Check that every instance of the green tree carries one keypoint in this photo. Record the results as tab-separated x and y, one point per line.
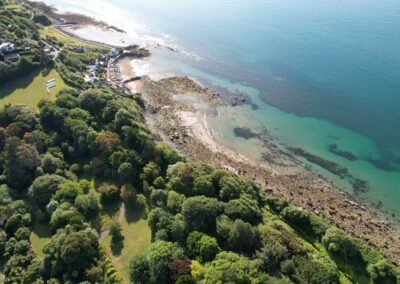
88	204
109	192
139	270
204	248
243	237
150	172
383	272
200	213
229	267
175	201
22	161
160	255
51	164
43	188
127	173
203	186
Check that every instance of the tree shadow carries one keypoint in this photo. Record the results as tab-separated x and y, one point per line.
46	71
40	225
134	213
117	246
19	83
111	207
96	223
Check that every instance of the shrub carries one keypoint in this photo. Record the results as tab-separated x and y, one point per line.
109	192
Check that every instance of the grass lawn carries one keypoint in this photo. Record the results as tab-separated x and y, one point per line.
30	89
40	235
48	31
137	239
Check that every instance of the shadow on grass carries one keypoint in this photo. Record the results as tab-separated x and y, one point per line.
19	83
40	225
96	223
134	213
111	207
117	246
46	71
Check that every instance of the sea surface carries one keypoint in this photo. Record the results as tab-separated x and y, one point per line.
323	76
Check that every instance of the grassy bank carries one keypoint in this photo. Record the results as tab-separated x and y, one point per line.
30	89
137	240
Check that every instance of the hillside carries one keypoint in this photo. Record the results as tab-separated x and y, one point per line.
89	194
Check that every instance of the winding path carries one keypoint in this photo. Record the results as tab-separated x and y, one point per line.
121	216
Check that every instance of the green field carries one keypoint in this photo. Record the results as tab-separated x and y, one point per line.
137	239
30	89
40	235
51	32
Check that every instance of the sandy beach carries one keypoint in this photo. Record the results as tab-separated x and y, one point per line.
127	73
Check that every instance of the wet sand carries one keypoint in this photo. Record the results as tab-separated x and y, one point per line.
127	73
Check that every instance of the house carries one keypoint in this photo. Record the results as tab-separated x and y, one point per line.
11	57
6	47
93	67
114	52
79	49
92	78
27	46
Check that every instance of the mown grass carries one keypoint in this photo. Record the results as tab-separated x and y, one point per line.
29	90
137	240
40	235
67	40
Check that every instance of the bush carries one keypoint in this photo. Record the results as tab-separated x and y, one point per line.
109	192
339	243
204	248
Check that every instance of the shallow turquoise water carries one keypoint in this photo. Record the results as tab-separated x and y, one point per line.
321	72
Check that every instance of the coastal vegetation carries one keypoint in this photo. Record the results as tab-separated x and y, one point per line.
89	194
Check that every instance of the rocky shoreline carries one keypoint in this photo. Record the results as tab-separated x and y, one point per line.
181	123
183	127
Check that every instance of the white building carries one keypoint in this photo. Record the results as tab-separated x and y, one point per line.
6	47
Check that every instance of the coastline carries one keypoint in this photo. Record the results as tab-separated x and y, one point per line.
183	125
186	129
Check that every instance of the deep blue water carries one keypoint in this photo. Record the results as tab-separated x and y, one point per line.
336	62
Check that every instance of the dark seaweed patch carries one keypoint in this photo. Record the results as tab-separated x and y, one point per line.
245	132
333	148
359	186
326	164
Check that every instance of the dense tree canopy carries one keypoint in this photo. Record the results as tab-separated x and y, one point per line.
77	163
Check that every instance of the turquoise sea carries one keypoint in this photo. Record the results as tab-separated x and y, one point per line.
323	75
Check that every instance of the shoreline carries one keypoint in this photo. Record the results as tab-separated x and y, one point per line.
186	130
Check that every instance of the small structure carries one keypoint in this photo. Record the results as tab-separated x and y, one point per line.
27	46
51	84
93	67
92	78
6	47
11	57
79	49
114	52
